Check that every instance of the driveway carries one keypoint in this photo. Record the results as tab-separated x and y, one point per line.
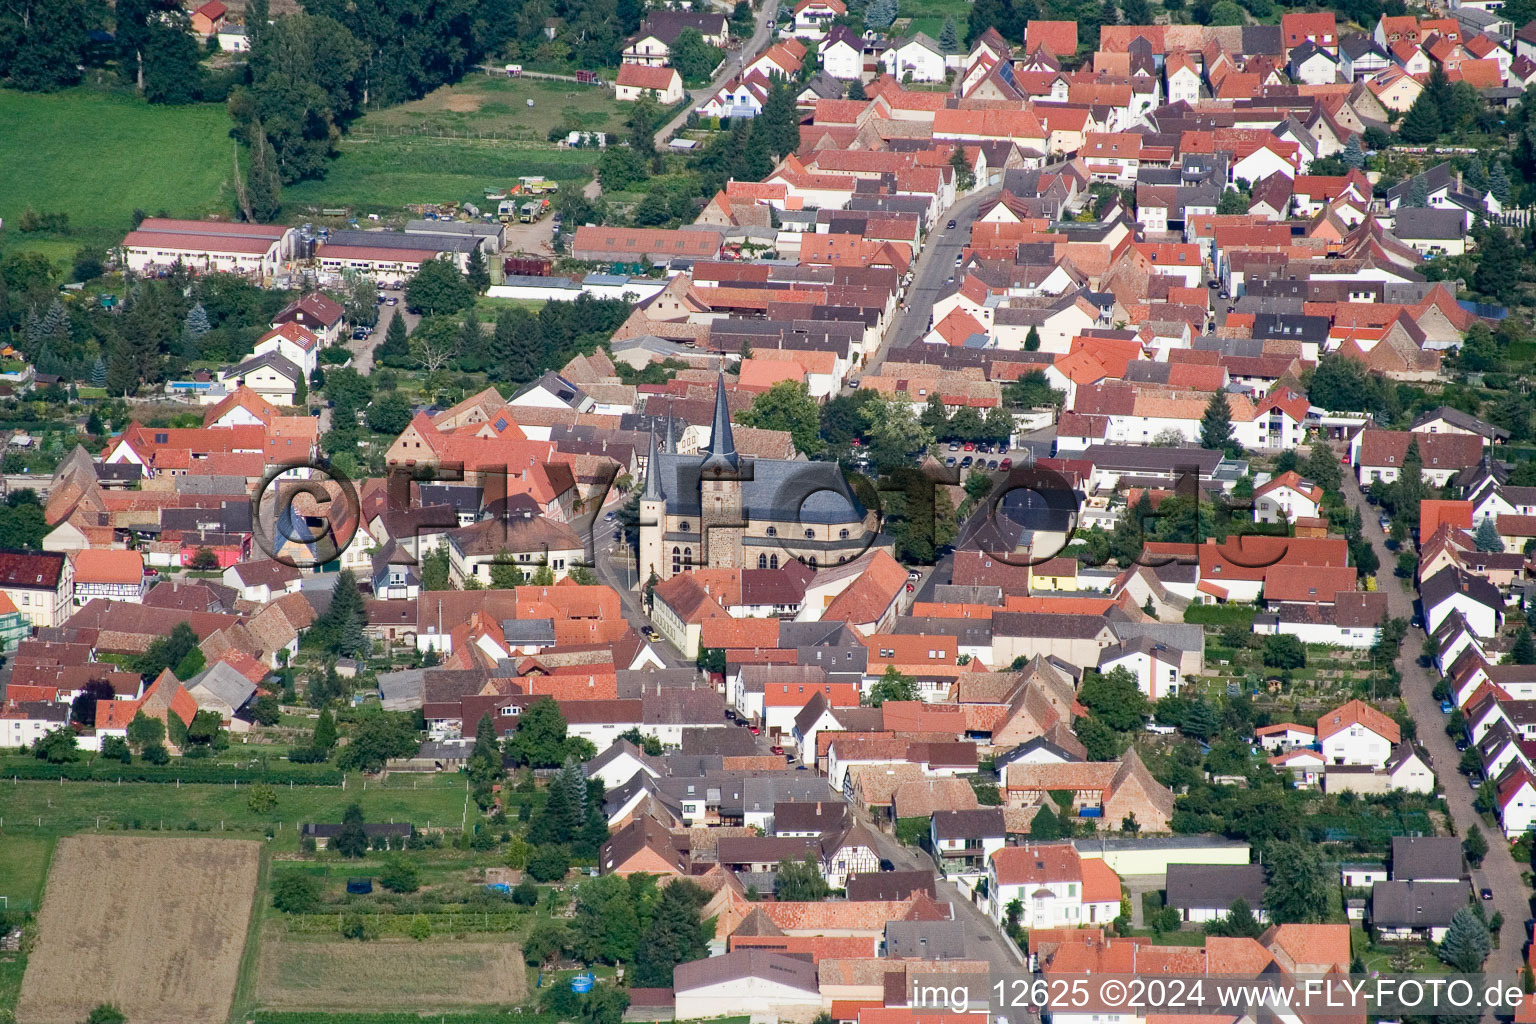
1499	872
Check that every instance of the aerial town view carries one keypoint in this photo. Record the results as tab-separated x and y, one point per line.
767	511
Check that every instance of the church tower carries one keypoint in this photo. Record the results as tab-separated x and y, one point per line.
721	520
653	517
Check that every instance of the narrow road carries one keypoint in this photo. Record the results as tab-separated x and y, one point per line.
1499	871
983	940
935	264
767	18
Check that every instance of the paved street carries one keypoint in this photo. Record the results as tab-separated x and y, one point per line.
1499	872
983	941
767	18
935	264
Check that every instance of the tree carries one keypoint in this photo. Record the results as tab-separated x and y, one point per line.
395	349
166	651
376	737
787	406
694	58
892	685
1216	424
965	175
439	289
1498	265
400	875
1466	944
1354	154
549	864
1475	846
1238	922
43	44
1284	651
57	746
780	120
879	14
342	628
1498	182
1422	123
82	710
1523	651
296	893
540	739
1032	340
949	35
144	731
1298	883
325	731
674	936
484	764
800	881
105	1013
435	574
389	414
1045	825
352	840
1115	699
476	272
894	432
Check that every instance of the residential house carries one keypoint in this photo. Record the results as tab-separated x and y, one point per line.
1357	734
1054	886
665	84
110	574
1205	892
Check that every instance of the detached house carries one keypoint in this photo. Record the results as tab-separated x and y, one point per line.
637	80
1455	590
1357	733
1056	887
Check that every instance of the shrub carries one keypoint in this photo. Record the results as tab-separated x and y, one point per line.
296	893
549	864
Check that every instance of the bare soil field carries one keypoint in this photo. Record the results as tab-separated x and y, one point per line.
155	926
327	975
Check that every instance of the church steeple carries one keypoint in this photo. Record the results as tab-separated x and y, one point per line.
721	453
653	473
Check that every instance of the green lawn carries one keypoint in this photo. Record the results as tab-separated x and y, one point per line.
381	175
928	15
99	155
1220	614
485	103
24	869
86	806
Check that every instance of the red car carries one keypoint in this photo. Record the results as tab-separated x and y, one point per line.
151	571
755	730
1005	464
776	750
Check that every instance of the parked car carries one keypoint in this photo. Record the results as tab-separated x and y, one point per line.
954	446
776	750
755	730
913	574
951	223
1487	893
652	635
1446	707
853	385
969	446
392	301
991	463
1005	464
949	461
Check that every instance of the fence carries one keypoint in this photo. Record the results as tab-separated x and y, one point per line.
1518	217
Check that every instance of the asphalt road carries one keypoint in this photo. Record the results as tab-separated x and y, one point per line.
1499	871
767	18
935	265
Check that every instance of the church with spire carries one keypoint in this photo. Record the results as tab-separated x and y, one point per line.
721	510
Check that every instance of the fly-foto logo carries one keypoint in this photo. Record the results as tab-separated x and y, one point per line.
306	515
